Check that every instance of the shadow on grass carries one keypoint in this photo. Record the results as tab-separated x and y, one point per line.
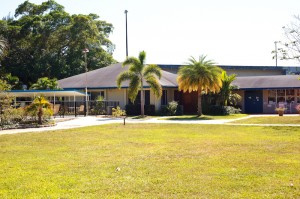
190	118
139	117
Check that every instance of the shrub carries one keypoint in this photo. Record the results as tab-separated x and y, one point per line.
99	108
118	112
172	109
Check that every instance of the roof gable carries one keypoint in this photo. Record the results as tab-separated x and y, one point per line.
106	78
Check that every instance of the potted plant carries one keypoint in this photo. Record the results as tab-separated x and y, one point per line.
280	110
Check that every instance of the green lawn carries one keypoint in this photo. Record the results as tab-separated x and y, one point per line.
155	161
270	120
205	117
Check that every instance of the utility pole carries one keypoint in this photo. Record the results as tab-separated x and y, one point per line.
276	52
85	51
126	11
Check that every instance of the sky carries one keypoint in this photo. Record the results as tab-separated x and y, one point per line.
231	32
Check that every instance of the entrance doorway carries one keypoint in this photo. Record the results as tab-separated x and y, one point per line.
189	101
254	102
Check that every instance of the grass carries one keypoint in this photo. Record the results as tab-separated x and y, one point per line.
270	120
155	161
205	117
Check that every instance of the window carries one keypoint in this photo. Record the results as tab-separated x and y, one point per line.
280	95
138	98
272	97
95	95
178	97
164	97
290	96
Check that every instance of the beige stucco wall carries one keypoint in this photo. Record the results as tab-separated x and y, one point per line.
121	95
171	94
155	101
117	95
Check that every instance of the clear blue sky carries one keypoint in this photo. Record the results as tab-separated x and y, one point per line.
231	32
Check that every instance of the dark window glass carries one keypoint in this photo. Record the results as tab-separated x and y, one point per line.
138	98
164	97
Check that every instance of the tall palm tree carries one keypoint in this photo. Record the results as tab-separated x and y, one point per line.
3	46
199	75
225	93
137	74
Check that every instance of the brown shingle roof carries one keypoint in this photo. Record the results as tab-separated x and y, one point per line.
106	78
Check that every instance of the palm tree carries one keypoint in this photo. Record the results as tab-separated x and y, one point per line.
226	95
201	76
3	46
39	104
137	74
44	83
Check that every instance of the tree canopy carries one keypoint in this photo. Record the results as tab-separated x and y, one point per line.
45	83
199	75
289	49
3	46
46	41
226	94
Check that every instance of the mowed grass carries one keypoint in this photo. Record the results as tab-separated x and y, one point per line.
204	117
154	161
270	120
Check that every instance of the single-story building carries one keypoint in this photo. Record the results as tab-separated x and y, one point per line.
102	82
262	94
263	88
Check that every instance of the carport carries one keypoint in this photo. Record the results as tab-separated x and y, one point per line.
71	95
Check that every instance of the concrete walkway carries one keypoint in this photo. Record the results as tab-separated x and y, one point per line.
93	121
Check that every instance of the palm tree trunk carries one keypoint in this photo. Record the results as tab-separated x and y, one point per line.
199	99
199	102
142	99
40	114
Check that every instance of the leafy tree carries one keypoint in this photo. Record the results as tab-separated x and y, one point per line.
39	105
3	46
226	92
46	41
290	48
45	83
4	86
12	81
199	75
137	73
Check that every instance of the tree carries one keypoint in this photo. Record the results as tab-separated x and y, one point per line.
46	41
12	81
199	75
3	46
137	74
4	86
45	83
290	48
39	105
226	94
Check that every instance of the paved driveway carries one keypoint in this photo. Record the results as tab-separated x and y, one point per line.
93	121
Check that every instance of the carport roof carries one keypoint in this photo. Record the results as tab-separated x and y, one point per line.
104	78
46	93
267	82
